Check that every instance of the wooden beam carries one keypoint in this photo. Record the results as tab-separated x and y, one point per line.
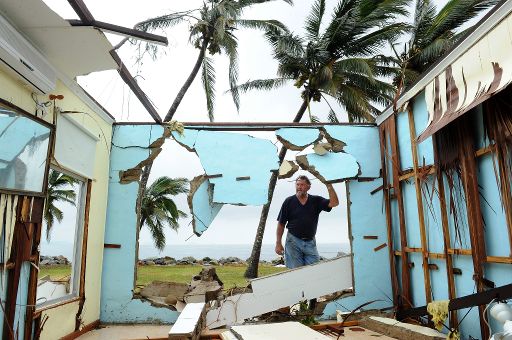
380	247
134	86
498	259
85	329
395	164
387	205
456	251
130	32
419	203
446	235
370	237
111	245
81	10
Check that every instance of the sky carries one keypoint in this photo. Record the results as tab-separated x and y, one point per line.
162	78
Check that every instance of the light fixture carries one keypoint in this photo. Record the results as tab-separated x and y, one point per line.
502	312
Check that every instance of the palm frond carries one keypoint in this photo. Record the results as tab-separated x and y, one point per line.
314	19
208	80
229	45
273	26
262	84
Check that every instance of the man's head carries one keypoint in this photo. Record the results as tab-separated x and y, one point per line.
302	185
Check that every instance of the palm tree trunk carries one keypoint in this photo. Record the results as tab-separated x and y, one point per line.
188	82
142	190
254	260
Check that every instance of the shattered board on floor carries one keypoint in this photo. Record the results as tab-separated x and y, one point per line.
274	331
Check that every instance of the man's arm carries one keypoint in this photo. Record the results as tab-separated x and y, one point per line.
333	198
279	236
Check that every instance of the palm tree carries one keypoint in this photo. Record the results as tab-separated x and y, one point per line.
212	30
432	34
60	189
159	210
338	62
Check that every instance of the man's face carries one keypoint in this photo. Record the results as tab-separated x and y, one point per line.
301	188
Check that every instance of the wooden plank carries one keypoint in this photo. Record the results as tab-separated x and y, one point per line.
189	323
370	237
243	178
455	251
469	178
499	259
284	330
83	259
446	235
419	203
387	205
87	328
112	245
395	162
376	190
380	247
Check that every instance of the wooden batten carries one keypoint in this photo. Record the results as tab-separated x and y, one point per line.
421	213
387	204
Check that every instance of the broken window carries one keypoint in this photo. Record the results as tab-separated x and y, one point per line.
61	238
24	146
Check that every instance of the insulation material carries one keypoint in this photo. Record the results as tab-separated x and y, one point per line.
203	209
360	142
8	204
439	312
485	69
298	138
241	164
331	167
287	169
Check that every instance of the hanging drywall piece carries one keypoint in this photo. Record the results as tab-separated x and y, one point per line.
298	138
201	205
322	148
229	157
362	142
331	167
287	169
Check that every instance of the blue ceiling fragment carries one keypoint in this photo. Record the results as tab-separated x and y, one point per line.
298	138
333	167
201	205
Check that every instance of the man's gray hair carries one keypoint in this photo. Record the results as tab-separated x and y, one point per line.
303	178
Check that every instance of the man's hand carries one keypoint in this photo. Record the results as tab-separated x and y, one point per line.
279	249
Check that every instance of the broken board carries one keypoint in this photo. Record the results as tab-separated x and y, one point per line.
283	289
283	331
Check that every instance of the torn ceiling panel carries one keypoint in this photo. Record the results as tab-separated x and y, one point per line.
298	138
362	142
242	164
331	167
201	205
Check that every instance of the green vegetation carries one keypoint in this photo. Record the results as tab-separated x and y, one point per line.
55	272
231	275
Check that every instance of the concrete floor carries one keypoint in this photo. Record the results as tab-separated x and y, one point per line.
140	332
127	332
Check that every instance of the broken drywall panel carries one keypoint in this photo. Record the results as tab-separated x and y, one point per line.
362	142
187	139
287	169
237	155
125	136
272	292
291	330
298	138
331	167
201	205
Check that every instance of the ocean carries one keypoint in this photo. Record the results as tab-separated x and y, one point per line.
198	251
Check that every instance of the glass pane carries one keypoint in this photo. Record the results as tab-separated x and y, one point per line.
23	151
61	239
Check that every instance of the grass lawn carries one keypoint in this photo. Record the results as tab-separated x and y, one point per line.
55	272
231	275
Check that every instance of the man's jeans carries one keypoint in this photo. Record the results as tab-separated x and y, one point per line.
298	252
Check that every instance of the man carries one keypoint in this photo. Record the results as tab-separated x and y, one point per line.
299	213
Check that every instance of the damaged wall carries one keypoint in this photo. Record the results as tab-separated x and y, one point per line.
62	318
235	164
424	221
